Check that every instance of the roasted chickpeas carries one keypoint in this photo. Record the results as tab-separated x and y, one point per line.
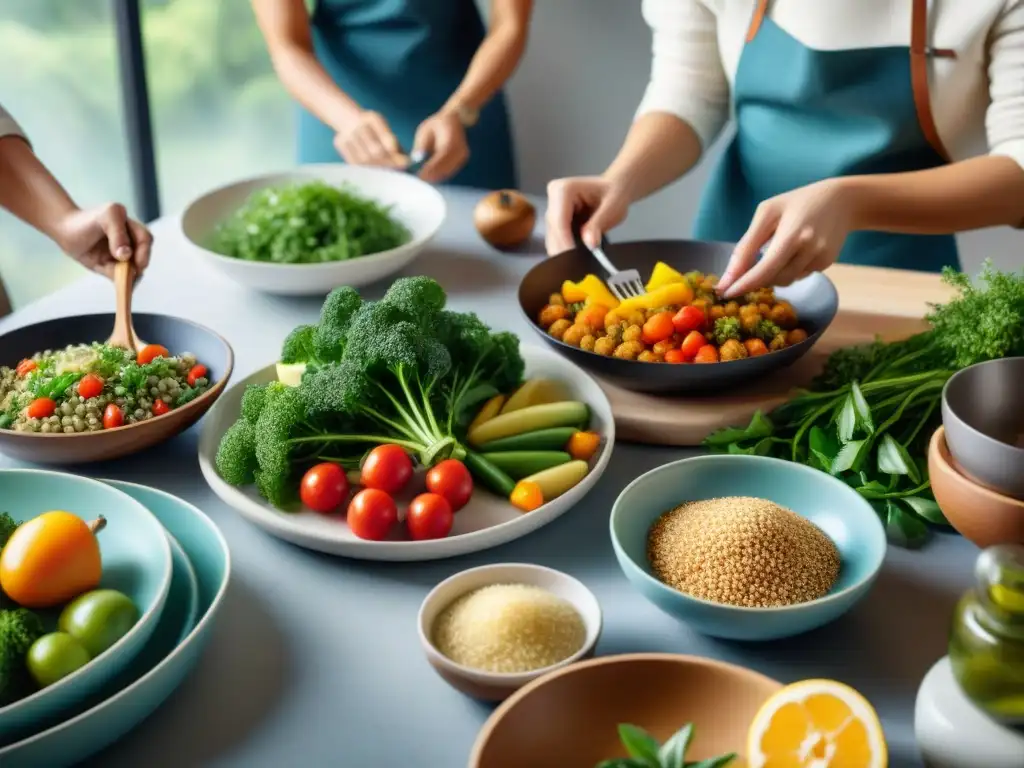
558	328
633	333
605	345
588	342
732	349
552	313
575	334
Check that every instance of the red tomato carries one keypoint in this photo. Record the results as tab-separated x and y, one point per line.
25	367
90	385
675	356
430	517
197	371
371	514
151	352
324	487
40	408
692	343
451	480
689	318
657	328
388	468
160	408
112	417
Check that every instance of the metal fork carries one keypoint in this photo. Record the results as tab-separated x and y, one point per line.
623	284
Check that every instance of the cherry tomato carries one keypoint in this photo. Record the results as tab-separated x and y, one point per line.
160	408
689	318
324	487
25	367
112	417
675	356
198	371
707	354
40	408
692	343
658	328
371	514
430	517
451	480
90	385
388	468
151	352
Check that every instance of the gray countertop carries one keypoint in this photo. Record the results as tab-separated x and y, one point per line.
315	660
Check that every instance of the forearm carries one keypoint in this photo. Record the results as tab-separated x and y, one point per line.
493	64
309	84
29	190
972	194
658	150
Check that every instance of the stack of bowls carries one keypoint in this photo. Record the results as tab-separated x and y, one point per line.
976	459
173	563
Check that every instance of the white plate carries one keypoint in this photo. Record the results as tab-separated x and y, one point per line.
485	522
418	205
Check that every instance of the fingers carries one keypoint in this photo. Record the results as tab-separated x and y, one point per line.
601	220
113	220
603	205
777	256
762	227
143	240
558	219
445	144
371	142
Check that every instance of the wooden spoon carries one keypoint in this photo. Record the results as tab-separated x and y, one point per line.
124	332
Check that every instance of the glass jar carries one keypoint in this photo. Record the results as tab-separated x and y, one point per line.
986	643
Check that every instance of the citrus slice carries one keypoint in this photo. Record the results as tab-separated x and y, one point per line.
816	724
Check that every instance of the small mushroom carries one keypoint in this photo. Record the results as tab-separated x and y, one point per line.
505	218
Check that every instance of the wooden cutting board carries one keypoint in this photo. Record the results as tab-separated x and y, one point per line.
890	303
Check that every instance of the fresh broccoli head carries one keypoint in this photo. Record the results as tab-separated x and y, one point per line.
236	454
7	526
255	398
766	330
336	315
420	298
19	628
726	328
298	345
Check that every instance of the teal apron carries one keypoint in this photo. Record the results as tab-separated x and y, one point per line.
803	115
404	59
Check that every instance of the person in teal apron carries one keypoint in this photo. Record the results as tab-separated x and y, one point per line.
383	81
818	132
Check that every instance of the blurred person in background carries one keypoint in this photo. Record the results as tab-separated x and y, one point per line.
858	130
96	238
381	81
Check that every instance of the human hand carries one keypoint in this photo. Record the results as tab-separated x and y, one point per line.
603	201
368	140
100	237
807	229
442	139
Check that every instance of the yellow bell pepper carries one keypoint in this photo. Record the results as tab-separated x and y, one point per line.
663	275
590	289
671	295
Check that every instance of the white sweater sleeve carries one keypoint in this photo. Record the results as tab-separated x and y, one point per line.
687	76
1004	121
8	125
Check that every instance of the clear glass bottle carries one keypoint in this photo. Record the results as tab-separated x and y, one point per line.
986	643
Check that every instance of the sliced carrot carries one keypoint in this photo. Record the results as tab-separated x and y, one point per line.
526	496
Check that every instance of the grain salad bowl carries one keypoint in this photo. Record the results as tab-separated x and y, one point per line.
414	203
177	334
492	686
839	511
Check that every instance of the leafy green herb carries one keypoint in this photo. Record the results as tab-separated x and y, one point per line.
645	751
41	386
308	223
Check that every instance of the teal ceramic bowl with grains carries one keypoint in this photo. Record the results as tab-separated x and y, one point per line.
837	510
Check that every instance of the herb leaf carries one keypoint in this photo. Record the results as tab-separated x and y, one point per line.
851	456
673	752
926	509
860	405
639	744
902	528
893	459
713	762
824	447
847	421
760	426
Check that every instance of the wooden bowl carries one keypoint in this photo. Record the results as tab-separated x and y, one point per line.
177	334
977	513
570	718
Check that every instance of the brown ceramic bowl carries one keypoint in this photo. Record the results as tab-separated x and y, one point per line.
176	334
570	718
493	686
977	513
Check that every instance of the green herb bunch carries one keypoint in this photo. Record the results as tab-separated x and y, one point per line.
868	417
645	751
308	223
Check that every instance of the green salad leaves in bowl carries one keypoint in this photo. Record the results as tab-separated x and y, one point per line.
307	231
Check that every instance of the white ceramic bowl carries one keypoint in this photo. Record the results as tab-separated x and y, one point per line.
485	522
418	205
493	686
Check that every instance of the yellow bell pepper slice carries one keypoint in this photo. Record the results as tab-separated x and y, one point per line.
591	289
572	293
663	275
671	295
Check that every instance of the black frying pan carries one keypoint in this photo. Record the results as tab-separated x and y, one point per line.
814	298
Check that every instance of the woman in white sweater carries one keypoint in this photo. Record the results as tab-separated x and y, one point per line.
861	131
96	238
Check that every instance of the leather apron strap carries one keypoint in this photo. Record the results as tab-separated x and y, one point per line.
755	20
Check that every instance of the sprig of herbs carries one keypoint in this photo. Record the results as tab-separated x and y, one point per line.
646	752
868	417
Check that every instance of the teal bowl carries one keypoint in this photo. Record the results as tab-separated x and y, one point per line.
136	559
847	518
172	653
